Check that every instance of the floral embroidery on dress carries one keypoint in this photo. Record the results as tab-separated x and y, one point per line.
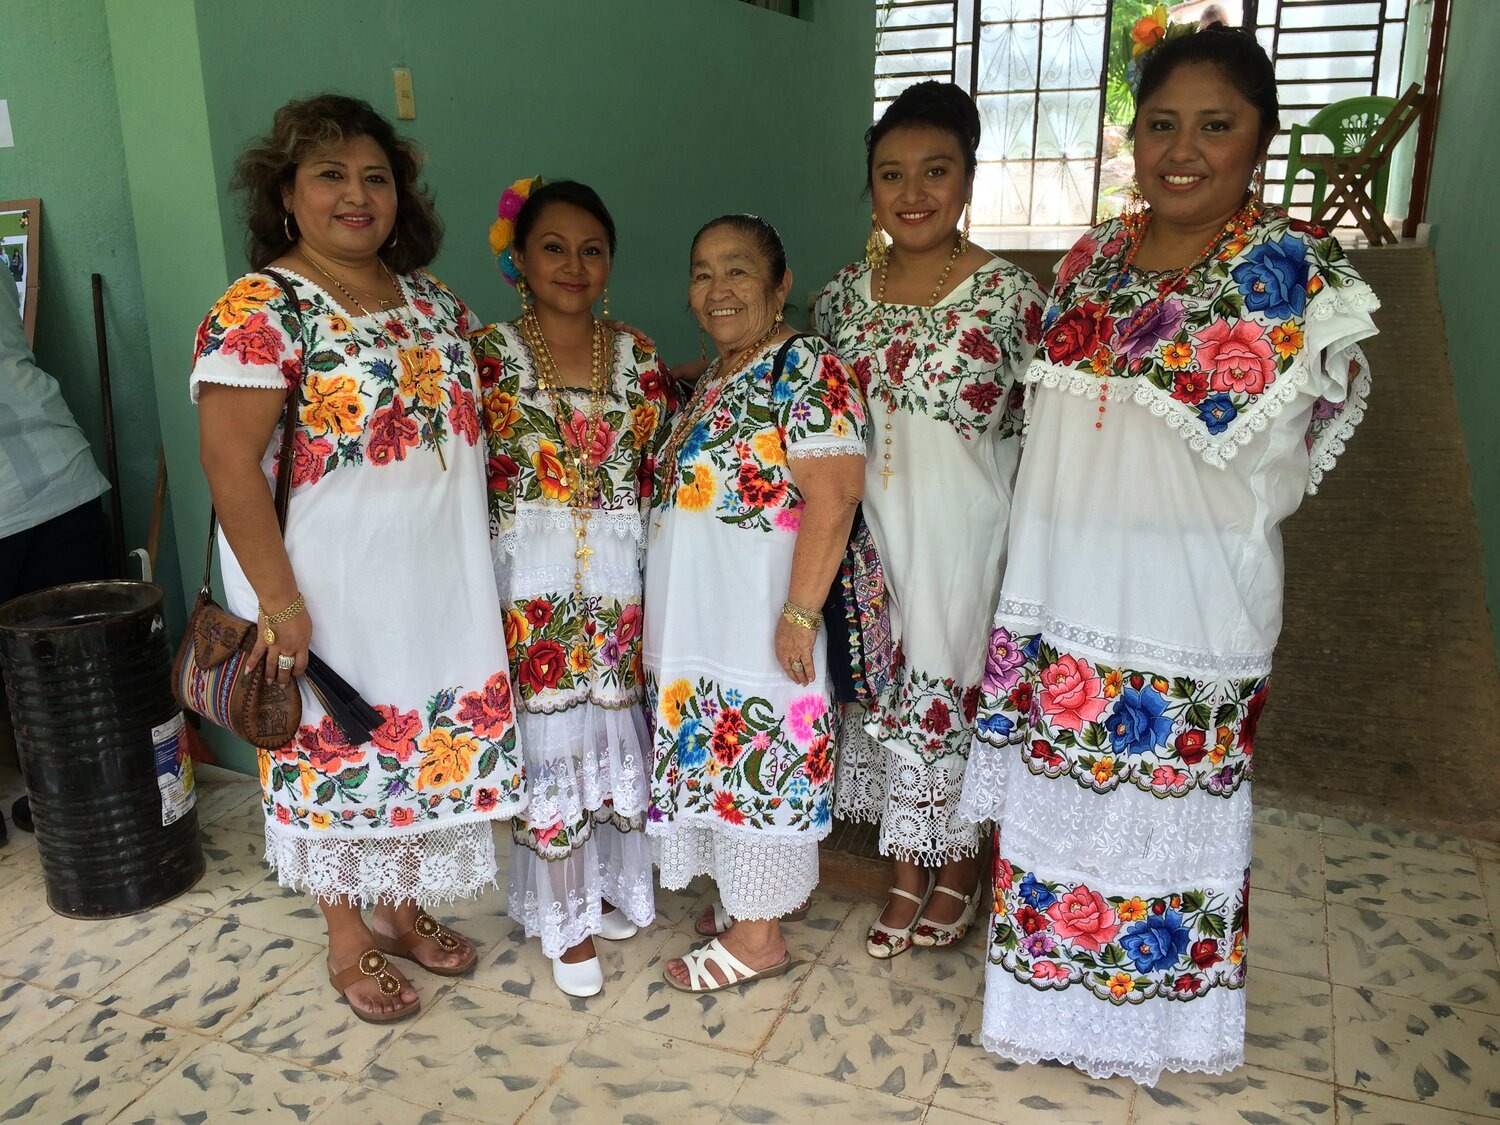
455	759
1178	946
900	349
1107	726
734	757
1219	355
383	414
571	646
934	715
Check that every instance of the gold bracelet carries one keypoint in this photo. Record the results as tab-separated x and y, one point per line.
267	633
799	616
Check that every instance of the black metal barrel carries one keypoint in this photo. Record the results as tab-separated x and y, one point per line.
99	736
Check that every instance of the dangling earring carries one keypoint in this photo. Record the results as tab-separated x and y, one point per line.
779	317
604	312
963	234
391	245
1135	202
286	225
876	248
702	346
1258	182
524	294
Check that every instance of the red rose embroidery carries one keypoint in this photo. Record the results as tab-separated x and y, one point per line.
976	342
1077	334
543	668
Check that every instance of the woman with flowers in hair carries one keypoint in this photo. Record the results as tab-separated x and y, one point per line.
387	462
1199	372
573	412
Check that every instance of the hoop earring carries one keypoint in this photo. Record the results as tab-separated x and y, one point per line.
604	312
876	248
524	294
963	234
286	225
391	245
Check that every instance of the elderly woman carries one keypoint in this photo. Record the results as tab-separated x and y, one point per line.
759	482
938	331
388	465
573	415
1199	372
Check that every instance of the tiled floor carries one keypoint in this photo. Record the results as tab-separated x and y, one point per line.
1375	998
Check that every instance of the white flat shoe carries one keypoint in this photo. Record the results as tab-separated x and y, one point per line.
583	978
614	926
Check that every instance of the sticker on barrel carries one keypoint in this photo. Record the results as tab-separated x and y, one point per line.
174	770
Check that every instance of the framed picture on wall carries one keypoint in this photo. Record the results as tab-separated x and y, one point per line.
20	254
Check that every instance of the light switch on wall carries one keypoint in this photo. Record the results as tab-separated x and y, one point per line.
406	102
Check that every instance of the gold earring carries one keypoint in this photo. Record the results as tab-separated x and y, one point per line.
702	346
525	295
963	234
779	317
286	225
1135	202
876	248
604	313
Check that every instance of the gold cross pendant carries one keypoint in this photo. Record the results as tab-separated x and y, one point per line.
885	478
583	553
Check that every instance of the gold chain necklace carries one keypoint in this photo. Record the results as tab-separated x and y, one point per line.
886	472
704	396
585	465
342	288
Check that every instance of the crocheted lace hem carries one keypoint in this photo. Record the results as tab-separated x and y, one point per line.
528	521
430	868
757	878
1331	444
809	449
1102	1069
560	901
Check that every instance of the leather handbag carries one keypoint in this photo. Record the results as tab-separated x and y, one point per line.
212	673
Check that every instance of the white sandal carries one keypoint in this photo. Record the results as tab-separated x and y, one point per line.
713	953
722	920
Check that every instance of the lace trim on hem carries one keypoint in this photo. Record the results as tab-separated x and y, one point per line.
583	698
842	449
625	523
1112	647
1102	1069
1329	447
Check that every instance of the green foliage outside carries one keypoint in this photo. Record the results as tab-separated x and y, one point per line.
1119	104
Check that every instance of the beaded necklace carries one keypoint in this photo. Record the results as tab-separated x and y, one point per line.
585	463
1136	224
886	472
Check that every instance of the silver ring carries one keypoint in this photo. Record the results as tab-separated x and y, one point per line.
286	662
797	664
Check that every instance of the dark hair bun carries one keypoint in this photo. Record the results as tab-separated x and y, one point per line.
941	105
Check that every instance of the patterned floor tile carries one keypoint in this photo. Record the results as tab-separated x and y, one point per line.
375	1107
307	1023
209	976
479	1053
622	1075
774	1095
270	906
674	907
734	1019
1289	1024
1403	1048
956	969
1285	818
518	967
1422	884
1289	934
247	816
80	958
1358	1108
1489	876
1248	1094
991	1088
1419	957
1286	860
234	862
1485	849
26	905
1396	837
220	791
26	1010
93	1063
218	1083
880	1035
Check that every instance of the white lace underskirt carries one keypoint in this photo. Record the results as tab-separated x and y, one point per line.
759	877
582	759
559	900
914	802
429	868
1136	1041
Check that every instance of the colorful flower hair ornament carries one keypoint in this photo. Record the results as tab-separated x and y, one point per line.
503	229
1148	31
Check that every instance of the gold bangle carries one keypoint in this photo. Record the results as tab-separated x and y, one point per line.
802	617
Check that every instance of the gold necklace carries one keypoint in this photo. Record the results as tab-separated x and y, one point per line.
585	466
704	396
342	288
886	472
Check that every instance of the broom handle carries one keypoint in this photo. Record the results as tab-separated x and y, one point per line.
112	466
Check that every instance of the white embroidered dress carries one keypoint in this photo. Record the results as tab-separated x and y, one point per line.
386	535
1132	644
944	401
575	660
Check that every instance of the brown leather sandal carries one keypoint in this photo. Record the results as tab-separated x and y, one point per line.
372	963
428	928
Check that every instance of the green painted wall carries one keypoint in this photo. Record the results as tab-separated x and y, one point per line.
1465	169
57	75
675	110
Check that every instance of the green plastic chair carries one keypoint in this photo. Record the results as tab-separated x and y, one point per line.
1347	125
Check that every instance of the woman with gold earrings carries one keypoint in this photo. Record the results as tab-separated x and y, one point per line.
938	330
573	412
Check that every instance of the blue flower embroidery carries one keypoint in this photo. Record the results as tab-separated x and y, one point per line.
1273	278
996	726
1139	721
1156	942
692	751
1216	412
1035	893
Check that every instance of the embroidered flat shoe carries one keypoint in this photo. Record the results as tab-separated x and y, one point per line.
884	942
932	934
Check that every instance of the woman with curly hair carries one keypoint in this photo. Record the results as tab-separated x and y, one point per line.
384	546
